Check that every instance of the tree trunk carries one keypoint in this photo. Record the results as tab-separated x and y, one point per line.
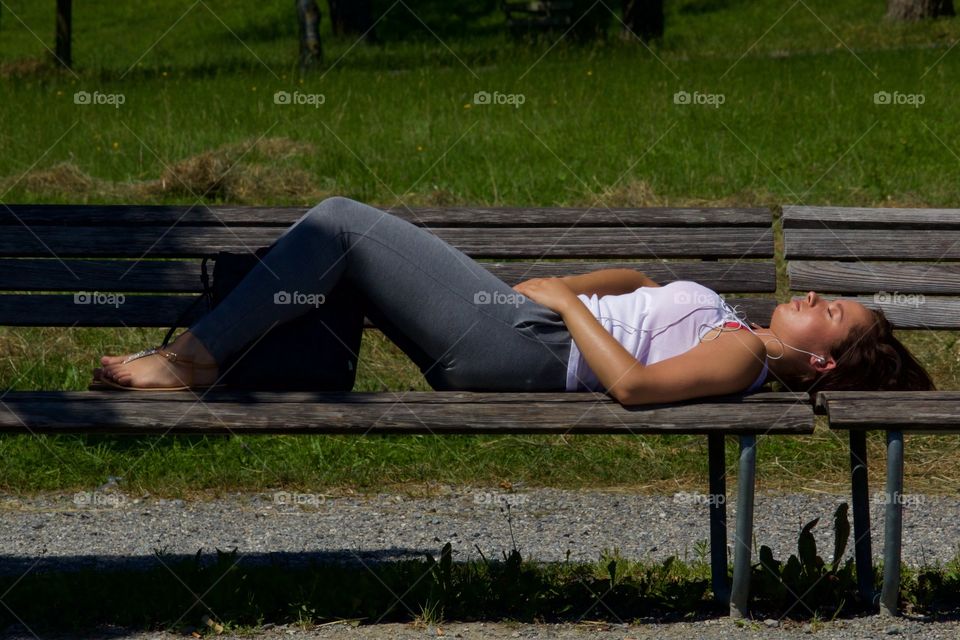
64	28
353	17
311	50
918	9
645	18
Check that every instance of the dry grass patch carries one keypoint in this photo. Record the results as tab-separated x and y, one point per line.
249	172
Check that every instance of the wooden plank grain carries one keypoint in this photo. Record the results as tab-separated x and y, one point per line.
149	310
39	417
892	397
913	411
872	244
815	217
226	215
920	416
541	242
410	397
183	276
869	277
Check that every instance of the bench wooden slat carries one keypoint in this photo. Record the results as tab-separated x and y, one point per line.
872	244
413	397
183	276
166	215
929	312
51	310
330	417
908	311
541	242
917	412
860	277
807	217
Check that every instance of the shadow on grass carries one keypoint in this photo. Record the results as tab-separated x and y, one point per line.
176	591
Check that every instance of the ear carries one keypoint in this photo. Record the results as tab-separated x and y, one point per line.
822	368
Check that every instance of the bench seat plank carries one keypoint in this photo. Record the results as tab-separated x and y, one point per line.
367	397
95	414
912	411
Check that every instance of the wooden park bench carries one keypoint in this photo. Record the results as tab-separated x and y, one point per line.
47	253
904	262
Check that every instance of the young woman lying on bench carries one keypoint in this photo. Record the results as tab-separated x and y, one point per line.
612	330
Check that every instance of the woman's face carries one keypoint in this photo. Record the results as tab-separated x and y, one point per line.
815	324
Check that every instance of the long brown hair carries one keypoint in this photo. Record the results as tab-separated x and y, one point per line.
870	358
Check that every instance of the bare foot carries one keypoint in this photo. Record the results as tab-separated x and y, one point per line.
156	371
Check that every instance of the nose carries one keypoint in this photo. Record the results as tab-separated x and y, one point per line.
811	297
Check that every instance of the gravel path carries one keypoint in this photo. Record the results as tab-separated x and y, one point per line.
107	528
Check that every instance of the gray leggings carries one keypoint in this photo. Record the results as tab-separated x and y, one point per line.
463	327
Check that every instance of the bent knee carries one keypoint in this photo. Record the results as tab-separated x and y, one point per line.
339	210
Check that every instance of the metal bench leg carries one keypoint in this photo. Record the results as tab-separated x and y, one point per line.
718	518
863	551
743	544
892	524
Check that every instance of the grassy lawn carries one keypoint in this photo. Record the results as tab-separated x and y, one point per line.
398	125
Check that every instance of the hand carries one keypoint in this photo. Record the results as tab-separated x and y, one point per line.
552	293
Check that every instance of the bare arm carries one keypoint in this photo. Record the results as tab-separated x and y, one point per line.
613	365
712	368
608	282
716	367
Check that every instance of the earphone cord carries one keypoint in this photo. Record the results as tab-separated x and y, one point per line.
736	314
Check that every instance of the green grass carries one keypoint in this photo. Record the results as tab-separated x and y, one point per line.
798	125
394	119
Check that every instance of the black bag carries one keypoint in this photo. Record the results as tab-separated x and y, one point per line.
316	351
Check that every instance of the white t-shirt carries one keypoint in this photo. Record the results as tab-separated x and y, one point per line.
653	324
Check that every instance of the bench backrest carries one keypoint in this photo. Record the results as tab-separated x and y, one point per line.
903	261
151	254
